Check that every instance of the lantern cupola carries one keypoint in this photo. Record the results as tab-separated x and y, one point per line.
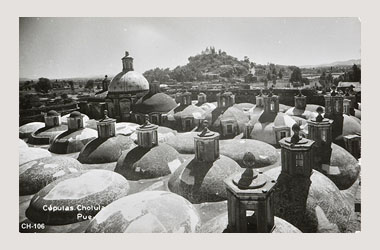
75	121
260	99
250	200
147	135
296	154
52	119
106	126
271	102
127	62
225	99
300	100
206	144
202	98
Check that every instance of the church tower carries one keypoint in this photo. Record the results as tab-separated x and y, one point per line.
127	62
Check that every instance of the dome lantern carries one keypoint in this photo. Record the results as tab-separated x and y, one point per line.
260	99
250	193
300	100
147	136
185	98
297	155
202	98
206	145
225	99
320	131
334	111
127	62
52	119
106	126
271	103
353	145
75	121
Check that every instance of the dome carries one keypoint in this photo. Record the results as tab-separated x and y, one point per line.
85	118
215	116
22	144
147	212
183	142
147	163
297	200
208	106
72	141
348	167
127	82
350	126
158	102
188	111
75	114
264	153
265	131
107	150
30	154
76	197
219	224
52	113
27	129
303	113
200	182
34	175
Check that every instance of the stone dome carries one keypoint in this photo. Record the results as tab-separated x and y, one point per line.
219	225
147	212
128	82
157	102
200	182
27	129
76	197
350	126
297	199
265	131
22	144
52	113
147	163
30	154
188	111
107	150
215	116
72	141
85	118
349	168
303	113
264	153
183	142
208	106
36	174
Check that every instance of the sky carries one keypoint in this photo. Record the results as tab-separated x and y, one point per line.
84	47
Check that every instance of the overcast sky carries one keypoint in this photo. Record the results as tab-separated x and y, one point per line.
76	47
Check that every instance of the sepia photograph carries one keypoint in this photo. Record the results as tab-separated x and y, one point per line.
189	124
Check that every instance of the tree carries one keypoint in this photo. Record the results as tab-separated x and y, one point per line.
43	85
296	75
356	73
280	74
89	84
71	83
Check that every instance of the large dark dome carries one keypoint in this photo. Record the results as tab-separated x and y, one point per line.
158	102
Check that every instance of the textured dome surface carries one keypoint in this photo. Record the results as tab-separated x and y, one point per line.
264	153
202	182
141	163
30	154
349	168
215	116
34	175
27	129
76	197
158	102
296	201
189	111
131	81
219	224
183	142
22	144
72	141
303	113
45	135
147	212
107	150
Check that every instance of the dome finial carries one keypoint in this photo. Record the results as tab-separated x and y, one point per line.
205	131
319	117
270	91
333	93
299	93
146	121
126	53
296	136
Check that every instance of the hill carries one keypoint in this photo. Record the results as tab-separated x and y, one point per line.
208	65
333	64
